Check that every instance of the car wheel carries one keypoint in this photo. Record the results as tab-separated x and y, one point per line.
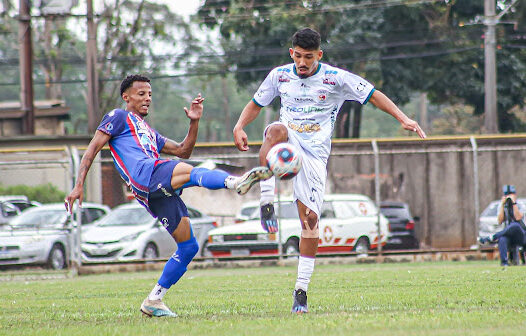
292	246
362	245
57	258
150	252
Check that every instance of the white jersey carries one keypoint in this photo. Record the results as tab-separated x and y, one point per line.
309	106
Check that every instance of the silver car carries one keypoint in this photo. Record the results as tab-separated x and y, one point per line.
488	218
42	235
129	232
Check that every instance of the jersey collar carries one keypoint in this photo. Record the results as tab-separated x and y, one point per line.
315	72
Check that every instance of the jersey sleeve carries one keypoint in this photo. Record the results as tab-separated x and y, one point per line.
268	90
113	122
161	141
356	88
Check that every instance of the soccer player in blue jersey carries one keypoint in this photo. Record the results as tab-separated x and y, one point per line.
311	95
157	183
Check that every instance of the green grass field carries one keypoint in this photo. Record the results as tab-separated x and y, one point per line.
443	298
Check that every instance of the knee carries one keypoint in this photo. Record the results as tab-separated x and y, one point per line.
276	133
310	226
187	250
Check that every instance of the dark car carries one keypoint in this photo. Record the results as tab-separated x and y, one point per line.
401	225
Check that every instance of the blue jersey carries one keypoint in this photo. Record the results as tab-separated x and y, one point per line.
135	148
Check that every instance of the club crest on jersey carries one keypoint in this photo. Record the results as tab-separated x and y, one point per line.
322	97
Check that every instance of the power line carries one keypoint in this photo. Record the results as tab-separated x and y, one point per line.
262	69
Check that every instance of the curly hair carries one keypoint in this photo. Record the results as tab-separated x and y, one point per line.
307	39
128	81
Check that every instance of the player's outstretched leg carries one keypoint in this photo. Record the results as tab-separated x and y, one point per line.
246	181
299	306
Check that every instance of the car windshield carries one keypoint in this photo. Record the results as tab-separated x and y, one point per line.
491	210
395	212
287	210
40	217
126	216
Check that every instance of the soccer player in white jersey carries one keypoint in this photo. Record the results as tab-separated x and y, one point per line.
311	95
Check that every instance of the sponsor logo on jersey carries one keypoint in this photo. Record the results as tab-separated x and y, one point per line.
306	109
164	220
283	79
108	126
305	128
303	100
329	77
322	97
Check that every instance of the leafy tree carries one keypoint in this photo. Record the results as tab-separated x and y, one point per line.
433	47
45	193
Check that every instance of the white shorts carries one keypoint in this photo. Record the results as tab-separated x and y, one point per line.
309	184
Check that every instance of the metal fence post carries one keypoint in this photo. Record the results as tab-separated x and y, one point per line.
377	191
280	245
76	230
475	178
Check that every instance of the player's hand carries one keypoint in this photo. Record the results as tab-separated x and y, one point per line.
411	125
196	109
76	194
240	139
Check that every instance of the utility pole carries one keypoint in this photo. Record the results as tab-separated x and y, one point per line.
490	68
92	75
26	67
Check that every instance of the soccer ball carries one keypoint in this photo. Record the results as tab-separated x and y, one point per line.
284	161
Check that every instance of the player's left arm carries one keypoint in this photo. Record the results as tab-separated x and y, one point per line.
385	104
184	148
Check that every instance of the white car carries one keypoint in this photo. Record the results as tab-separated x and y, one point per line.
42	235
129	232
348	223
488	218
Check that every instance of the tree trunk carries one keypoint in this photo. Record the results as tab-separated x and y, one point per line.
356	119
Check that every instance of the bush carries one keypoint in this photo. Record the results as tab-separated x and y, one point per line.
44	193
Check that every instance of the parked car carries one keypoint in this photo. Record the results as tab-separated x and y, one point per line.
248	211
401	225
488	218
41	235
129	232
348	222
22	202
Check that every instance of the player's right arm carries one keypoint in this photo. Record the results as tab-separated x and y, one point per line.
248	115
100	139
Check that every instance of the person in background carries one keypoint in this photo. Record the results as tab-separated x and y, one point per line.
510	212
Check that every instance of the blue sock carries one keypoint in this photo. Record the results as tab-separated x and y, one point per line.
210	179
176	266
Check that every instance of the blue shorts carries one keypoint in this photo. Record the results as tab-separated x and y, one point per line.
164	202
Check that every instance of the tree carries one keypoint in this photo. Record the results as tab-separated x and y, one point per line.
433	47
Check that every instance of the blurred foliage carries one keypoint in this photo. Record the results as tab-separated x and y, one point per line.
435	47
45	193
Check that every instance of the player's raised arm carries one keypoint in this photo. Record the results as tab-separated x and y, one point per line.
385	104
184	148
249	114
100	139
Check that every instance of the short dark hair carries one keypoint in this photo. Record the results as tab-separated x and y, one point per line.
307	39
128	81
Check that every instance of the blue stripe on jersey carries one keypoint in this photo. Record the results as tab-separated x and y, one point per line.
369	96
258	104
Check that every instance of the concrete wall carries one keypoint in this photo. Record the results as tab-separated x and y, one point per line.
434	176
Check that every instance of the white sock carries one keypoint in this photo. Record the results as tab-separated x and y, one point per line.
157	292
267	190
305	269
230	182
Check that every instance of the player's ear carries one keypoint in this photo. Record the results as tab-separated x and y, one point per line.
291	52
320	54
125	96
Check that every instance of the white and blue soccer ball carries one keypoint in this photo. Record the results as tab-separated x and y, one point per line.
284	160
